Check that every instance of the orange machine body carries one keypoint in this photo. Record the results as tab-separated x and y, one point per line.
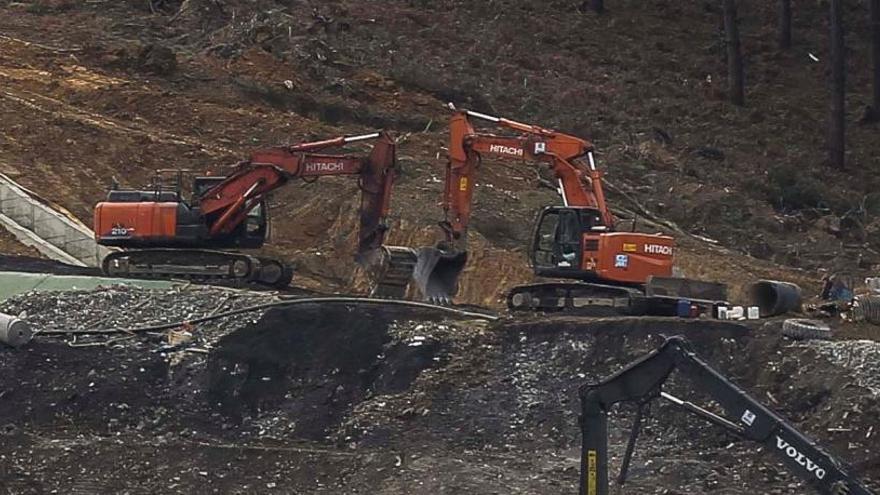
140	222
628	257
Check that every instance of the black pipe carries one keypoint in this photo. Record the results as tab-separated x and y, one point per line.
773	297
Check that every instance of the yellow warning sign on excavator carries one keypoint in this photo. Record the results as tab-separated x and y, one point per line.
462	184
591	473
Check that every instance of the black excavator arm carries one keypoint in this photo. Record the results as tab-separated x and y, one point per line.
642	381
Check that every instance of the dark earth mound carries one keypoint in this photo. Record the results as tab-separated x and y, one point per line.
336	398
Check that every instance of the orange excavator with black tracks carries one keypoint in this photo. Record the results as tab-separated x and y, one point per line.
165	236
615	272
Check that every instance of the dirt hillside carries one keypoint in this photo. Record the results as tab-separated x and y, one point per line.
96	91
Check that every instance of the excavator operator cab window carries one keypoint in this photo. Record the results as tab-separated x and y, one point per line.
256	223
545	239
557	242
591	220
203	184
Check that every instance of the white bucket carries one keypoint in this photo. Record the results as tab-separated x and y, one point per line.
13	331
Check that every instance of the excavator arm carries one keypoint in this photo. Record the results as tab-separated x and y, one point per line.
227	204
642	381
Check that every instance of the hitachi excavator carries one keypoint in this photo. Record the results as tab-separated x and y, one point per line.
164	236
616	272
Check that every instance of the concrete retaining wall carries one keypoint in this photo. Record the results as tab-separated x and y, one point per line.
53	231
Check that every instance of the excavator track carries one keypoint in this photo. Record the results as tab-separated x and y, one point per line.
393	276
579	298
197	265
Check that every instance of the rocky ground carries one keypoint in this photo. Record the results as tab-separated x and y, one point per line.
338	398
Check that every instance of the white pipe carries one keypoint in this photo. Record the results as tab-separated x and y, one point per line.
483	116
592	160
562	193
362	137
247	194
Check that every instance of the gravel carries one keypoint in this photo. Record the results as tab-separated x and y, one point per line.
861	357
126	307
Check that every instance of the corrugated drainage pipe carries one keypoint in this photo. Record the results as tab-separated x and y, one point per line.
773	297
869	307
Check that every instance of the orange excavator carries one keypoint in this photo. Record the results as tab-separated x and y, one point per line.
615	272
164	236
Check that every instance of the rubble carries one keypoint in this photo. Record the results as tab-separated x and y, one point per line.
390	396
128	307
861	358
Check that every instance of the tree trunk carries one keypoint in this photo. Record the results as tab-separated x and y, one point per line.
875	48
598	6
837	126
735	77
784	24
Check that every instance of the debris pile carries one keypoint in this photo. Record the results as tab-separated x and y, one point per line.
399	399
860	357
119	308
299	371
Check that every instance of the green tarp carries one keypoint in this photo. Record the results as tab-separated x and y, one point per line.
14	283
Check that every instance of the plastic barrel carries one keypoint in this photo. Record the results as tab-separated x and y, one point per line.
773	297
13	331
683	308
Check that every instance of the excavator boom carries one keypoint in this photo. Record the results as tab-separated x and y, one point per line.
269	169
579	186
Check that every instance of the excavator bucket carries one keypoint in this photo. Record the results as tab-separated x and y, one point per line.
390	269
436	273
686	288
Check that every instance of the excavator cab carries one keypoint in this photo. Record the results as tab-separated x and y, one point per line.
557	239
253	231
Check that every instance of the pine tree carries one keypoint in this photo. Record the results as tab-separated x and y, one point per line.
735	76
837	125
785	24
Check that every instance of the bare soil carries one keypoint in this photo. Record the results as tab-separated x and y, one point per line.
9	245
94	92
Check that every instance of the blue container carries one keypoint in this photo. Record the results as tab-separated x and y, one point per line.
683	308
